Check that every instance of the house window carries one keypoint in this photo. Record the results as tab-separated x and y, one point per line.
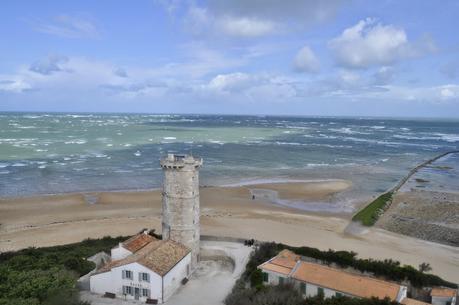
281	280
303	288
127	274
127	290
320	291
338	294
144	277
265	277
146	293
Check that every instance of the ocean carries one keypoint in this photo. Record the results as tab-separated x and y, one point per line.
47	153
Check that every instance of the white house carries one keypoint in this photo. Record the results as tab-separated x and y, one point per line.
443	296
143	268
313	279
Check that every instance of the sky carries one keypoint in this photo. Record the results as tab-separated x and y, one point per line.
289	57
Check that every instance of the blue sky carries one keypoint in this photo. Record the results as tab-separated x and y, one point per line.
300	57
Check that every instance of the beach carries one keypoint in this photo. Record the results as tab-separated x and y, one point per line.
48	220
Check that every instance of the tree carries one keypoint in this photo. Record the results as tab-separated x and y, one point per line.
425	267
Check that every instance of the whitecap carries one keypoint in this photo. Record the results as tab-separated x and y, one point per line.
4	172
169	138
77	141
137	154
3	165
448	137
19	164
42	166
317	164
216	142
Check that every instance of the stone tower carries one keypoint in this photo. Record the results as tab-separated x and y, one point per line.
181	202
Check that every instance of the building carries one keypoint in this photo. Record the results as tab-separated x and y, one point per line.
180	218
313	279
443	296
143	268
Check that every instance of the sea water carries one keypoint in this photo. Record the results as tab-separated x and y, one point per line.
43	153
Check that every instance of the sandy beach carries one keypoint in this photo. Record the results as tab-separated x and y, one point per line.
225	211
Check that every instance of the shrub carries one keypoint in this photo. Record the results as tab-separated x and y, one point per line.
47	276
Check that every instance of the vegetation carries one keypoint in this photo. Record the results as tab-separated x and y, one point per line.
288	295
425	267
48	276
370	214
388	269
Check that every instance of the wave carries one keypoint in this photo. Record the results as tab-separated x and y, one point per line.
77	141
448	137
348	130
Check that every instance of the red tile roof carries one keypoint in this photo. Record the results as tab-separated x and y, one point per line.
443	292
349	283
137	242
160	256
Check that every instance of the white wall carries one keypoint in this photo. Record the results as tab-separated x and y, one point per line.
273	277
401	293
101	283
120	253
155	284
112	281
173	279
443	300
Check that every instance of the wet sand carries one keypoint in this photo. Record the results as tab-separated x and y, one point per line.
226	211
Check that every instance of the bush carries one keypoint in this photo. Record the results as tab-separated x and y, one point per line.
271	295
288	295
47	276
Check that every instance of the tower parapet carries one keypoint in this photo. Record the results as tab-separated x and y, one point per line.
180	206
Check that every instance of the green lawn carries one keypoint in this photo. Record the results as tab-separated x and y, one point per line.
369	214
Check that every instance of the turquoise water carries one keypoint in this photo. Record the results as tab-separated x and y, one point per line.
56	153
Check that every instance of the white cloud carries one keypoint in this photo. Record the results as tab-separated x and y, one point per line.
245	27
68	27
298	11
306	61
255	18
49	65
383	75
12	83
369	43
231	82
448	92
241	87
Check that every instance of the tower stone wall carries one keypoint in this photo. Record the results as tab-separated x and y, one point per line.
180	205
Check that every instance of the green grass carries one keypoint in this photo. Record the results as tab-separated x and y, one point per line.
369	214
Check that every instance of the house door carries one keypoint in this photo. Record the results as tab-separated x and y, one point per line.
136	293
